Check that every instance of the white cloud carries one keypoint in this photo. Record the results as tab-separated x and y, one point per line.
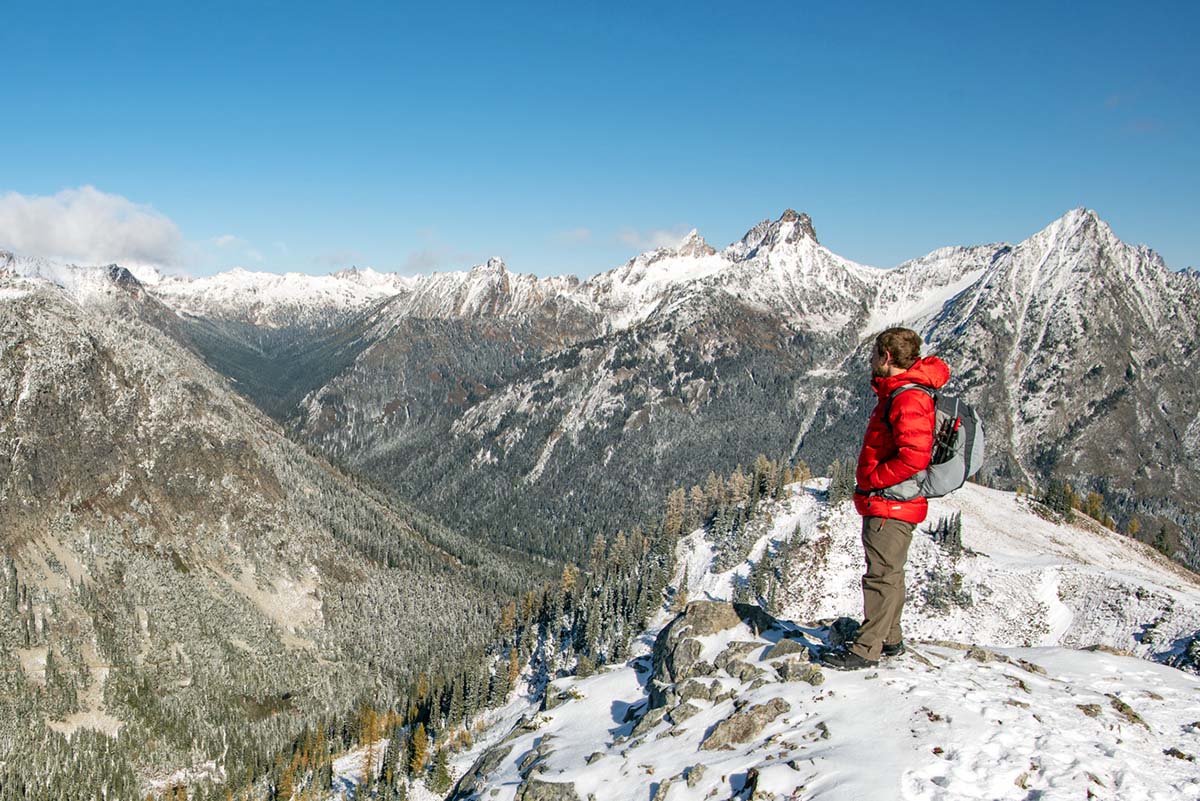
88	226
652	239
227	240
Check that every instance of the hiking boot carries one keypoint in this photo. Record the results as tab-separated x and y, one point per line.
893	648
845	659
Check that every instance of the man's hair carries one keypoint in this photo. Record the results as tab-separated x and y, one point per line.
903	344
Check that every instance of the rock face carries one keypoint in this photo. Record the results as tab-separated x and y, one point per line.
676	655
741	727
538	790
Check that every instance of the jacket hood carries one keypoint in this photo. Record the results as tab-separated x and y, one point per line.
930	372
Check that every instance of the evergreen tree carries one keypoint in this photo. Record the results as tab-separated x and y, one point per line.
439	779
673	519
1161	542
695	510
418	751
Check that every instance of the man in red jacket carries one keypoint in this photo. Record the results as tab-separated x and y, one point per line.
898	445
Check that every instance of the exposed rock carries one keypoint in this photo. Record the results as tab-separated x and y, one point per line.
680	658
982	654
750	788
648	721
797	670
707	617
741	727
489	760
684	711
634	712
787	647
695	774
1126	711
1108	649
735	651
594	756
538	790
724	695
694	688
744	671
555	696
660	794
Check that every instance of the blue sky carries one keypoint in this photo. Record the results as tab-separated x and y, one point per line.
567	138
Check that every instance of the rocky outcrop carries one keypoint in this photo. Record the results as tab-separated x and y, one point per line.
744	726
538	790
677	650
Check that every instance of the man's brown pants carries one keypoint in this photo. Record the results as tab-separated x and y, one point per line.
885	543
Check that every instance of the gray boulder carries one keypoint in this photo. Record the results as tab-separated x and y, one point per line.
744	671
694	688
744	726
787	647
797	670
735	651
538	790
684	711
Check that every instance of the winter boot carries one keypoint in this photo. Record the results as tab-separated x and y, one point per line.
845	659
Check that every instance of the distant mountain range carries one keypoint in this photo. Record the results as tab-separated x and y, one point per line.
180	567
174	569
537	412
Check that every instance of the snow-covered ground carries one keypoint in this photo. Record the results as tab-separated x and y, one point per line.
996	699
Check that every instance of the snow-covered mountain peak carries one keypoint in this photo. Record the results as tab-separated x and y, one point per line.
493	266
694	245
1077	226
83	284
797	225
273	300
791	227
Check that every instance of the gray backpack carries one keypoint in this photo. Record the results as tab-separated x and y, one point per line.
958	445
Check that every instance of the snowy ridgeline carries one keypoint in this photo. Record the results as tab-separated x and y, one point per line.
998	697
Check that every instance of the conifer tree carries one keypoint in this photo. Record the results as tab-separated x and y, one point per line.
695	509
673	519
1161	543
714	495
418	751
738	487
514	668
439	779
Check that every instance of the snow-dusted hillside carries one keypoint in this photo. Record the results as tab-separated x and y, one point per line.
1074	346
1038	682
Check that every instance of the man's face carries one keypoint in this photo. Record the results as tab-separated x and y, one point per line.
880	361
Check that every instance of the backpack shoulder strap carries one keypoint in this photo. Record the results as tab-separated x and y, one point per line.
887	409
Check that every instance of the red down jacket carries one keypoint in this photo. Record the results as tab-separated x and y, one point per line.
890	454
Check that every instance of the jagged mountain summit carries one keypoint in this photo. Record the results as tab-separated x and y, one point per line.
1020	679
485	395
